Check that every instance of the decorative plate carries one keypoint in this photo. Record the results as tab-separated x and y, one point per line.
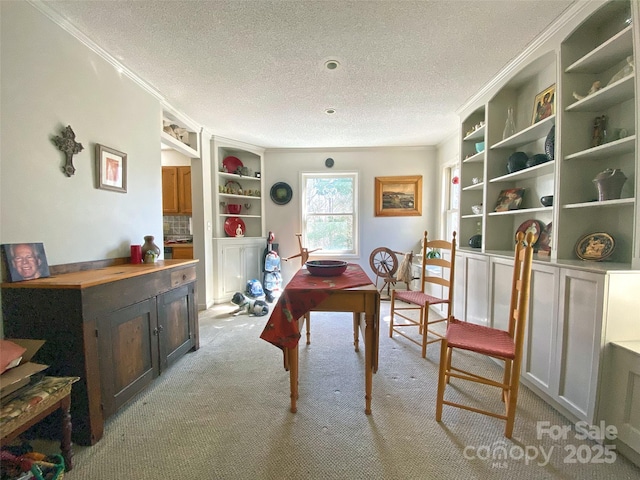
281	193
595	246
232	164
234	227
544	242
534	226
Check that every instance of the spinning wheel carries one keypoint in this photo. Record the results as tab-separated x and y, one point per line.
384	263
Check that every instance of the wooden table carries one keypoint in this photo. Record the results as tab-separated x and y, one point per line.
362	300
35	403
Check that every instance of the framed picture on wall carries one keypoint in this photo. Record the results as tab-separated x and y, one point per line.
111	168
544	104
398	196
24	261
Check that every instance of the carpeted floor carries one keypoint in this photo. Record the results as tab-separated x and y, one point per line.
223	413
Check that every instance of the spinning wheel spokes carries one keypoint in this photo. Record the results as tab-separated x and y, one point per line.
383	262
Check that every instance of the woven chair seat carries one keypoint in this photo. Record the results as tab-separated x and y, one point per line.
418	298
480	339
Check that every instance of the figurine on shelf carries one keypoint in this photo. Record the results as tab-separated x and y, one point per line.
597	85
599	126
239	231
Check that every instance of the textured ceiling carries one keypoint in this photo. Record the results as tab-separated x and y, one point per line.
254	70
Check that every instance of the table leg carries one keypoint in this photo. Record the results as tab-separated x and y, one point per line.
369	355
307	318
356	331
65	440
293	376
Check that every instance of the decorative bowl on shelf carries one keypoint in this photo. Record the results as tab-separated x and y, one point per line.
476	209
537	159
326	268
547	201
234	208
479	147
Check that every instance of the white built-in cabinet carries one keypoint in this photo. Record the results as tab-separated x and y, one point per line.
471	288
238	258
236	262
577	308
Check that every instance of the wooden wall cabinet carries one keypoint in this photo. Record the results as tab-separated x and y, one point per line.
117	328
176	191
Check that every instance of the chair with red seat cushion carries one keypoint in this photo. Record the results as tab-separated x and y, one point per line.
505	345
437	274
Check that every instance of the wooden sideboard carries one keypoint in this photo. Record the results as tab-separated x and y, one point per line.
116	327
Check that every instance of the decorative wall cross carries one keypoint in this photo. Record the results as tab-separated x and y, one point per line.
67	144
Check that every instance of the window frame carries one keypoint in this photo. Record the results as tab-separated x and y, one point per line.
355	216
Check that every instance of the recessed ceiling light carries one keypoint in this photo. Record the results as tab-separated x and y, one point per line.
330	111
332	64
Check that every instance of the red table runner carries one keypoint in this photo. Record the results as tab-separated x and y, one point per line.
301	295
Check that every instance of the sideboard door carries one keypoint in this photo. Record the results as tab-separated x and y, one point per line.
176	323
128	352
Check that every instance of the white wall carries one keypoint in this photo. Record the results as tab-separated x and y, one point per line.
50	80
398	233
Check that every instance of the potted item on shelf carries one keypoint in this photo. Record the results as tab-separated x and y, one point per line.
547	201
517	161
609	183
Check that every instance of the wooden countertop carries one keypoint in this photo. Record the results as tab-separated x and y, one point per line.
178	245
98	276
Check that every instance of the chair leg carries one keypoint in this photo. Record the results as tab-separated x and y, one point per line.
393	306
424	313
506	379
449	355
445	359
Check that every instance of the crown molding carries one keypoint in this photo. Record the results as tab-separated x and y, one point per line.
517	63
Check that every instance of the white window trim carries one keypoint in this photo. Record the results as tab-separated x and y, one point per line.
356	217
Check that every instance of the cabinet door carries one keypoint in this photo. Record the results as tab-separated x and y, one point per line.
128	353
475	289
170	190
176	310
232	270
539	358
578	347
184	190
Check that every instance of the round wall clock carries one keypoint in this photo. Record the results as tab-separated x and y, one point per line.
281	193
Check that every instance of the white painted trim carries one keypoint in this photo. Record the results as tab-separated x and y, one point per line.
67	26
517	63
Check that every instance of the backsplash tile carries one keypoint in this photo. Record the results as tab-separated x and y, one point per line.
176	225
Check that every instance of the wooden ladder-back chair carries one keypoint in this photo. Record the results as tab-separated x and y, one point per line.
422	300
505	345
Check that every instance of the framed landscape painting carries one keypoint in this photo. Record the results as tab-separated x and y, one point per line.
398	196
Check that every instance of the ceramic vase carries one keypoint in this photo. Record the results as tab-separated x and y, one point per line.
609	183
150	251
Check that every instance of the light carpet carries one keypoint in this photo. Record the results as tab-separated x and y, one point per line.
223	413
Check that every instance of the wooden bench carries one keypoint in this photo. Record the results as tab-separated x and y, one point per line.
32	405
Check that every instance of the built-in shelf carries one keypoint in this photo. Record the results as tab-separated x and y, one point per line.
477	186
177	145
521	211
531	172
476	134
477	158
613	94
600	204
606	55
611	149
234	176
528	135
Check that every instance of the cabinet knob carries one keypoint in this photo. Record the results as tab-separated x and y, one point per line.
184	277
160	328
157	330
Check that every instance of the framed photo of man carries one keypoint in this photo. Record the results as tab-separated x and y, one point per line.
24	261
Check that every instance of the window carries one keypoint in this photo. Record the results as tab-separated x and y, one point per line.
450	199
329	212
